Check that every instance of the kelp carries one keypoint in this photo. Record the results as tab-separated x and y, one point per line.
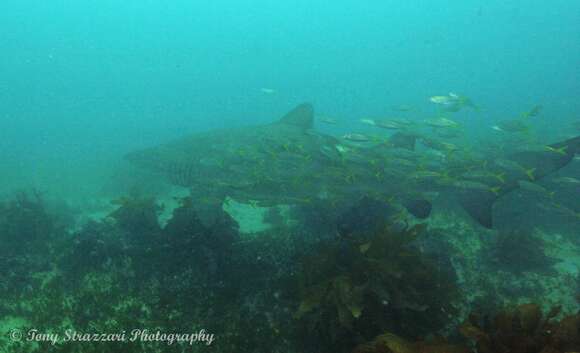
26	226
523	329
353	289
137	214
391	343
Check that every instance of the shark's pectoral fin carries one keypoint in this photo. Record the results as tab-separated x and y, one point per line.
208	206
302	116
479	205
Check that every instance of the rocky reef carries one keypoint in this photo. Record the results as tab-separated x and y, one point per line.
338	281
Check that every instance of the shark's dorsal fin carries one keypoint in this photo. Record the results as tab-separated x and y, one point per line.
301	116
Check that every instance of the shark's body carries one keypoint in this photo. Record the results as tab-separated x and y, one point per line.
287	163
263	164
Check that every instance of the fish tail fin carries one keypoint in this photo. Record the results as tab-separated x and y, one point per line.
500	177
561	150
568	147
377	139
530	173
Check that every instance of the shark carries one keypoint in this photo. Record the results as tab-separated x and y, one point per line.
533	166
284	162
288	162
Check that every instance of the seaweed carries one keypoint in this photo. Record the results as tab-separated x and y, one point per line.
25	224
28	233
523	329
353	289
191	244
283	290
97	246
137	214
391	343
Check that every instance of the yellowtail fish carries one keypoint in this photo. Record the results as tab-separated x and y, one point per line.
267	90
535	111
368	122
354	137
401	162
511	126
512	166
474	185
426	174
342	149
444	100
389	124
404	153
561	150
453	102
446	146
402	121
442	123
543	148
566	180
439	145
327	120
533	187
483	175
433	155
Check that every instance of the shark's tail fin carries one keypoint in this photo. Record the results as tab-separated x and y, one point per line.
478	204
